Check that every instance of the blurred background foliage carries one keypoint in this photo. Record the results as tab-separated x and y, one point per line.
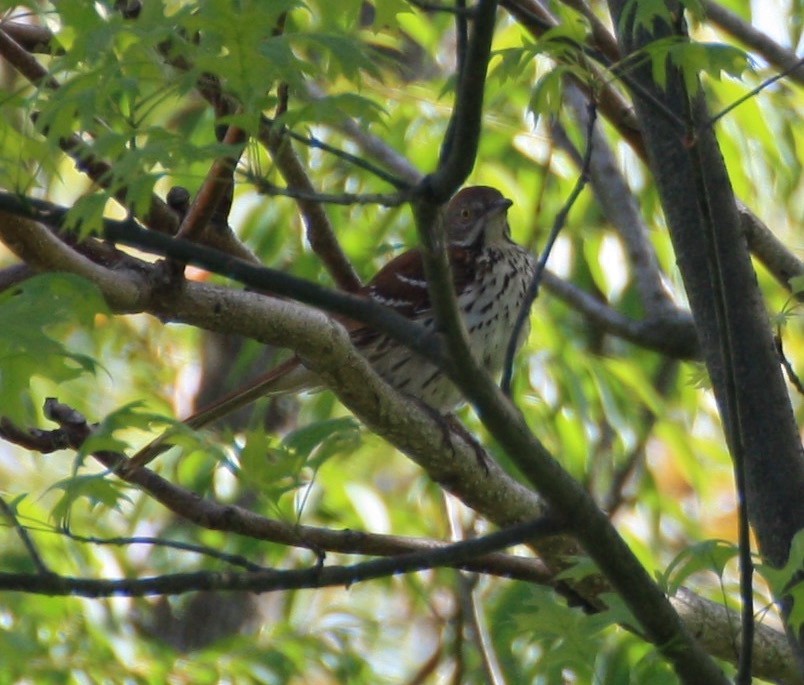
639	429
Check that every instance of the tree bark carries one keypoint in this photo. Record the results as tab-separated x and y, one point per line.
726	303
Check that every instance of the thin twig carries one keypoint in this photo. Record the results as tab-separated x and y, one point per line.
270	580
459	10
617	201
233	559
316	143
558	224
792	376
74	431
613	499
382	199
320	232
38	562
750	94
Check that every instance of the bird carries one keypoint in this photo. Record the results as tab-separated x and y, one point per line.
491	275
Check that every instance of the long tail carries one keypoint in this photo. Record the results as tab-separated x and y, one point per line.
285	377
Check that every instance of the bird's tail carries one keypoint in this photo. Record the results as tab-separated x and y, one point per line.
289	376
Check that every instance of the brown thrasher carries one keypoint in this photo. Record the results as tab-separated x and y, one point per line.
491	274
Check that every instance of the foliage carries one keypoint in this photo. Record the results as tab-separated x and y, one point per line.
639	429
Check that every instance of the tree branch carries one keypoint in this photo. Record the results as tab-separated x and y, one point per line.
455	554
672	333
458	157
780	57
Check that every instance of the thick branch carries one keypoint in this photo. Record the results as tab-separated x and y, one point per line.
459	158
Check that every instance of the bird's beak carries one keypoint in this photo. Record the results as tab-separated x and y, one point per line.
500	206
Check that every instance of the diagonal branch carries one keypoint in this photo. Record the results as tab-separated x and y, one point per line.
458	156
7	511
215	186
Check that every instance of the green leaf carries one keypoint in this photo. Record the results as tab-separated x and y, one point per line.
547	95
788	581
307	438
692	58
334	109
796	284
97	489
29	315
385	13
709	555
644	13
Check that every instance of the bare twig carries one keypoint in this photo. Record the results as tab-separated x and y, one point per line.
232	559
750	94
612	192
455	554
614	497
22	533
558	224
320	232
373	146
792	376
316	143
382	199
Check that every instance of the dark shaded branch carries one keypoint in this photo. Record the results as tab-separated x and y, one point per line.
30	37
672	333
14	274
729	311
459	159
455	554
203	550
383	199
24	62
128	232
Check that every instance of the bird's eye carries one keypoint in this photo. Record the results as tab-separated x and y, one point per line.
465	213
